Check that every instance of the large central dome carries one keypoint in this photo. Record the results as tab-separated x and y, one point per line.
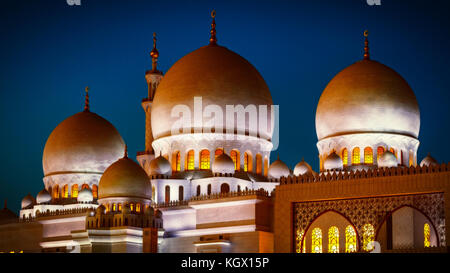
218	75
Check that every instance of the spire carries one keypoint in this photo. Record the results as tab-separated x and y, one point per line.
366	46
86	100
154	53
213	39
125	154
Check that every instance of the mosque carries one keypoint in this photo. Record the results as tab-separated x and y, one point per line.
204	190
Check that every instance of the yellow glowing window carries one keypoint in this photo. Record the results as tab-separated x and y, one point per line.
356	159
345	157
138	207
368	155
316	244
245	162
190	160
258	164
235	156
411	158
380	151
85	186
350	239
74	191
66	191
368	237
131	206
114	208
204	160
299	248
218	152
333	240
176	166
56	192
426	235
119	207
95	191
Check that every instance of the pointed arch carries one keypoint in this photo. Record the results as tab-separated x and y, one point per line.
333	240
350	239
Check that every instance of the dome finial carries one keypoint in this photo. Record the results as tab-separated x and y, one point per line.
125	154
213	39
366	46
86	99
154	53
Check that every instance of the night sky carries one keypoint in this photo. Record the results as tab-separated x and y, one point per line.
50	51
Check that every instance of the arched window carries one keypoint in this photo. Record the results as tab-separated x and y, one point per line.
224	188
85	186
190	163
368	237
198	190
380	151
180	193
66	191
176	159
258	164
344	156
56	192
356	159
119	207
247	162
368	155
266	165
138	207
316	242
234	154
333	240
392	150
350	239
426	235
95	191
218	152
300	234
209	189
131	206
204	160
167	197
114	207
411	158
74	193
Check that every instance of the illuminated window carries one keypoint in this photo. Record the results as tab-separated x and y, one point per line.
204	160
138	207
218	152
190	160
299	248
74	191
411	158
258	164
356	159
224	188
345	157
426	235
180	193
333	240
167	197
176	166
120	207
85	186
380	151
316	244
95	191
393	151
266	165
66	191
247	162
368	237
350	239
235	156
368	155
114	207
131	206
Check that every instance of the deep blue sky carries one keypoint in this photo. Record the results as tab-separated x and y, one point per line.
50	51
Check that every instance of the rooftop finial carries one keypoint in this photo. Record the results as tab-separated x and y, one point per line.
86	100
125	154
213	39
154	53
366	46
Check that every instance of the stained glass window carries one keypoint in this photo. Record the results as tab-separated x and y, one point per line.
350	239
131	206
74	191
176	160
316	244
368	155
368	237
258	164
380	151
345	157
138	207
204	160
426	235
114	207
66	191
218	152
300	234
95	191
246	159
235	156
120	207
190	160
356	159
333	240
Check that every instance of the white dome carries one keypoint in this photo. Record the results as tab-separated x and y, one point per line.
28	201
428	161
302	168
160	166
223	164
387	160
333	162
278	169
43	197
85	195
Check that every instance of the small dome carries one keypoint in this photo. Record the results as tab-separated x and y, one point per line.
333	162
223	164
387	160
43	197
160	166
302	168
28	201
85	195
428	161
278	169
125	178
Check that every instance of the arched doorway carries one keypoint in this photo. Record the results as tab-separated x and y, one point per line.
224	188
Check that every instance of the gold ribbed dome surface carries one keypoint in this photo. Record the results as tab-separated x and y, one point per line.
85	143
367	97
125	178
218	75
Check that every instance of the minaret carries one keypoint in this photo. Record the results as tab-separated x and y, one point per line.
153	78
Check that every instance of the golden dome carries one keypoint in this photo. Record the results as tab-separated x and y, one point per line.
218	75
124	178
83	143
367	97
